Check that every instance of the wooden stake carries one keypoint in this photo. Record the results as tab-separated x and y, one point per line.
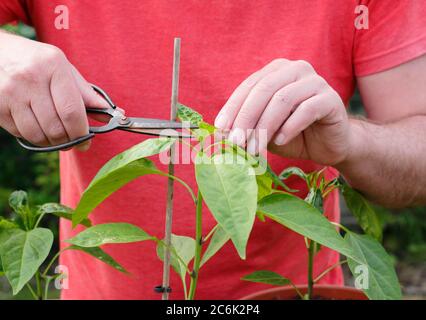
169	208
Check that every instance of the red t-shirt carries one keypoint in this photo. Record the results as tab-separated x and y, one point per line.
126	47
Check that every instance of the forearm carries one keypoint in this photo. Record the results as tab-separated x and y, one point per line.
387	161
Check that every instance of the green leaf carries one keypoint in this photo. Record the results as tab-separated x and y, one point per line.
229	189
61	211
264	185
267	277
276	179
382	281
217	241
7	224
101	255
22	253
366	216
182	247
18	201
315	199
290	171
109	233
206	126
203	131
301	217
119	171
185	113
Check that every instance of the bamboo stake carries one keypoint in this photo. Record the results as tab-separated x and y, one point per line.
169	208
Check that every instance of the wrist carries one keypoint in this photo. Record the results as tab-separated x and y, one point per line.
357	145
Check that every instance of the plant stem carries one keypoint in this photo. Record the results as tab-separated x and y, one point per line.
39	220
47	281
183	183
39	289
340	226
311	252
212	231
328	270
297	291
32	291
198	246
56	256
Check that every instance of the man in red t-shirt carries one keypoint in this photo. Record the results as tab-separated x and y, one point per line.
319	51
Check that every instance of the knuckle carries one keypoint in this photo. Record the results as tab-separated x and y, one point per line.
244	116
25	74
7	87
279	62
250	82
52	54
70	112
265	85
283	97
304	65
320	82
56	132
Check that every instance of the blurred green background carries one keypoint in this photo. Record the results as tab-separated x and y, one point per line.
404	230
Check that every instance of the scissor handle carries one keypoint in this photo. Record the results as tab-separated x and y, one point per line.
104	95
108	127
26	145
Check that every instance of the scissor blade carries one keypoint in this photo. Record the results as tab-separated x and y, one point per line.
172	133
146	123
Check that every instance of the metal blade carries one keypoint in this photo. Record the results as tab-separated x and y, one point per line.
146	123
159	132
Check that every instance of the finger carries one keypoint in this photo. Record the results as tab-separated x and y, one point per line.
307	113
258	99
280	105
28	126
6	100
229	111
69	103
8	124
85	146
45	112
90	97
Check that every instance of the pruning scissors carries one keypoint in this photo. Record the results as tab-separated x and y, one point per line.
118	121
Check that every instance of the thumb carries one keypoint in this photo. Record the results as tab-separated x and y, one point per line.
90	97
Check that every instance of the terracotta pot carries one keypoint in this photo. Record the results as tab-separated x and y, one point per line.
322	292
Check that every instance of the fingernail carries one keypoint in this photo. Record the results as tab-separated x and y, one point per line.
221	121
84	146
237	137
251	147
280	139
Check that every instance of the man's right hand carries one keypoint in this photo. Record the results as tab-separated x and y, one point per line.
42	95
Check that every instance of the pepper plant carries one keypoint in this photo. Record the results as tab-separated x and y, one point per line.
25	246
238	188
380	280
